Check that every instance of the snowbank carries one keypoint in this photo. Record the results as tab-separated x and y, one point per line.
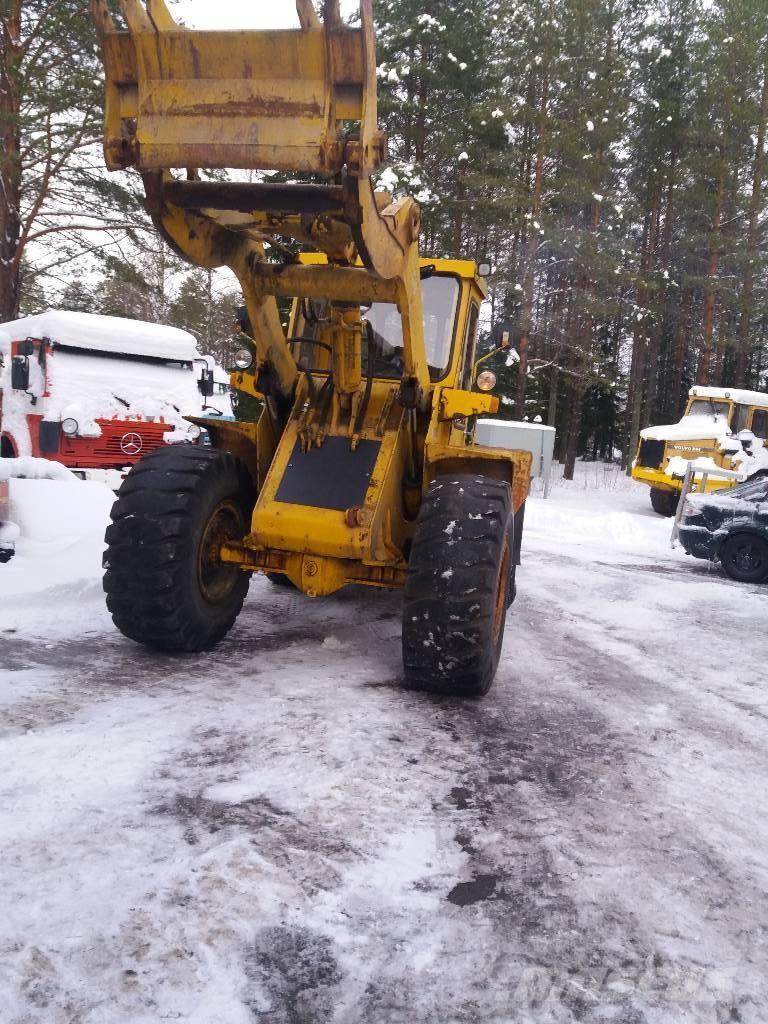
60	510
34	469
94	332
9	534
601	514
55	577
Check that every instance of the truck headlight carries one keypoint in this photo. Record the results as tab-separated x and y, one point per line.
193	431
70	426
243	358
486	381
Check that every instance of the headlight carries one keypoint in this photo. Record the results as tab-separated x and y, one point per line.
70	426
193	431
486	380
243	358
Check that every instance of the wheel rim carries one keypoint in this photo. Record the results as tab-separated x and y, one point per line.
501	593
748	557
217	579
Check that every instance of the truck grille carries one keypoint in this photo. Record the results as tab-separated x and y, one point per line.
651	454
106	450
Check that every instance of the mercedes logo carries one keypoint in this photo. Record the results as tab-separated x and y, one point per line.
131	443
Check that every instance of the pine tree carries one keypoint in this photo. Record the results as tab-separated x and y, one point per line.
56	200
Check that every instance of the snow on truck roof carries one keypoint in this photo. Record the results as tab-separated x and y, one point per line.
735	394
96	333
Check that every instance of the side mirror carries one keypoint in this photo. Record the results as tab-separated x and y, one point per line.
26	347
501	336
20	373
205	383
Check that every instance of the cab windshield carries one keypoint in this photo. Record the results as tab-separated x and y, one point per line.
439	297
709	407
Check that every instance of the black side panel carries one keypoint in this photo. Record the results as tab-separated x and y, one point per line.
651	453
331	476
20	373
50	435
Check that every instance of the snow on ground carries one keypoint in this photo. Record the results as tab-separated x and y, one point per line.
57	565
275	832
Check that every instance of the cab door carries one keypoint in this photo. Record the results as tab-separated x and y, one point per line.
470	341
759	423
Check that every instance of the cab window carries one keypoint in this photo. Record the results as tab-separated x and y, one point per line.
439	299
469	347
708	407
760	423
740	418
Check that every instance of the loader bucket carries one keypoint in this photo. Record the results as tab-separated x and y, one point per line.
287	100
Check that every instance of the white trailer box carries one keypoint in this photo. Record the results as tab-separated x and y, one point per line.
528	437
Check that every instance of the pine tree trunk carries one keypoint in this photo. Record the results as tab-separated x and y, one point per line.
553	387
421	116
530	257
658	377
574	426
755	202
679	351
713	263
639	365
720	349
10	163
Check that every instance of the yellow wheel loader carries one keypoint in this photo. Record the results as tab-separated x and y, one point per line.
361	467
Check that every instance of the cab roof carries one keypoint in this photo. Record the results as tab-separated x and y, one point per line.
738	395
93	332
466	269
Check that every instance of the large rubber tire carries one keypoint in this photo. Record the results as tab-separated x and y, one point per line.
744	557
165	585
459	586
664	502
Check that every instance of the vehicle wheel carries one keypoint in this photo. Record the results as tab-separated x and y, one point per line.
744	557
165	585
664	502
458	586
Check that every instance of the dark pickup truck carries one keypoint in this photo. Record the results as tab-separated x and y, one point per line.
730	526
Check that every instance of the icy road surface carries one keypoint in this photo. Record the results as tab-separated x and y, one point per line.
276	833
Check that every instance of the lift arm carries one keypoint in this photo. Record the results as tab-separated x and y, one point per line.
301	101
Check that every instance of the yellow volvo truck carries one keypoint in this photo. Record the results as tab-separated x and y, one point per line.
362	466
712	417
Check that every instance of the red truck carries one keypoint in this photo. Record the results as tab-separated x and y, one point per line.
96	392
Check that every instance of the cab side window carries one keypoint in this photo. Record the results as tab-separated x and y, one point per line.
760	423
740	417
469	347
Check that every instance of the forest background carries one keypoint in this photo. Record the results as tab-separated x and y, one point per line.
606	156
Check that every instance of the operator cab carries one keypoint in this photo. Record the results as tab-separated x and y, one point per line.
451	294
741	410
